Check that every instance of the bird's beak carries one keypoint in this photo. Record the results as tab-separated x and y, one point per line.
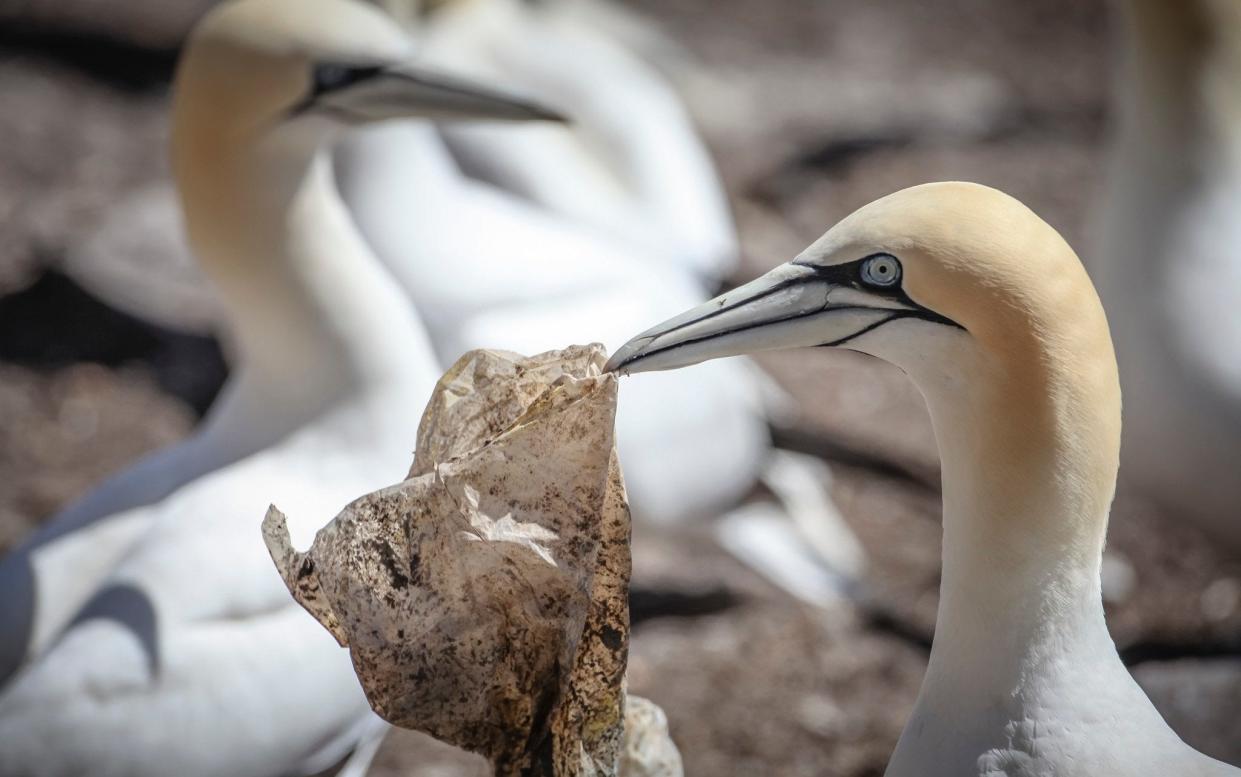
793	305
365	95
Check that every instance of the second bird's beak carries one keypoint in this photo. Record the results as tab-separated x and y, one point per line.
369	94
793	305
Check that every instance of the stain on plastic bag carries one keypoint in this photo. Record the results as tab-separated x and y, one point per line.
484	600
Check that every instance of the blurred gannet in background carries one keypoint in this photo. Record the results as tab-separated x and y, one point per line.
144	629
1168	265
493	271
990	313
577	234
631	165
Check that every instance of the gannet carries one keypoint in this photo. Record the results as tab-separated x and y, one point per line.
1168	260
518	267
144	630
498	270
517	261
494	271
991	314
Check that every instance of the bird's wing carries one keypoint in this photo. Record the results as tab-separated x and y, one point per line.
630	164
55	570
192	651
137	259
459	246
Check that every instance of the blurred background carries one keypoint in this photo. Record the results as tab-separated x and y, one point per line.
811	109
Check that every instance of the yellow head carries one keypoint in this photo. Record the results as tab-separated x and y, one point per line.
253	70
938	262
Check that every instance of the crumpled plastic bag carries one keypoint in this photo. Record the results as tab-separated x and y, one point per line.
484	600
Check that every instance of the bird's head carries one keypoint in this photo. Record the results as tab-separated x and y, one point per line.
935	270
256	69
966	290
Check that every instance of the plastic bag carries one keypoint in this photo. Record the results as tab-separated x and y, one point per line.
485	599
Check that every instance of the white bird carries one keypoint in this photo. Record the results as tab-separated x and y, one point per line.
631	165
576	232
494	271
1168	265
991	314
144	629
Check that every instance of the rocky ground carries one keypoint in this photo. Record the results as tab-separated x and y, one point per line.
812	108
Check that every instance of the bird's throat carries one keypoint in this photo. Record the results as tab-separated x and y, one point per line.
1029	467
312	314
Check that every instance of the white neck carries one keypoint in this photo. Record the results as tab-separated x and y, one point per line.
1029	450
1022	547
313	316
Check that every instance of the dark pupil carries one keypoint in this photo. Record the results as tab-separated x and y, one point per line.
880	271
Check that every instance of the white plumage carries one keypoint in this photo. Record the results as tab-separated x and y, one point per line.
630	166
492	270
528	235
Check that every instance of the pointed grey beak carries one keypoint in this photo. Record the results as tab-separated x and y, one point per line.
362	95
793	305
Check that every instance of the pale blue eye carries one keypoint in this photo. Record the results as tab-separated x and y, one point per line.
882	270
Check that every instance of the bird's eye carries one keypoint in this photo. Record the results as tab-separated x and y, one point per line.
881	271
328	77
